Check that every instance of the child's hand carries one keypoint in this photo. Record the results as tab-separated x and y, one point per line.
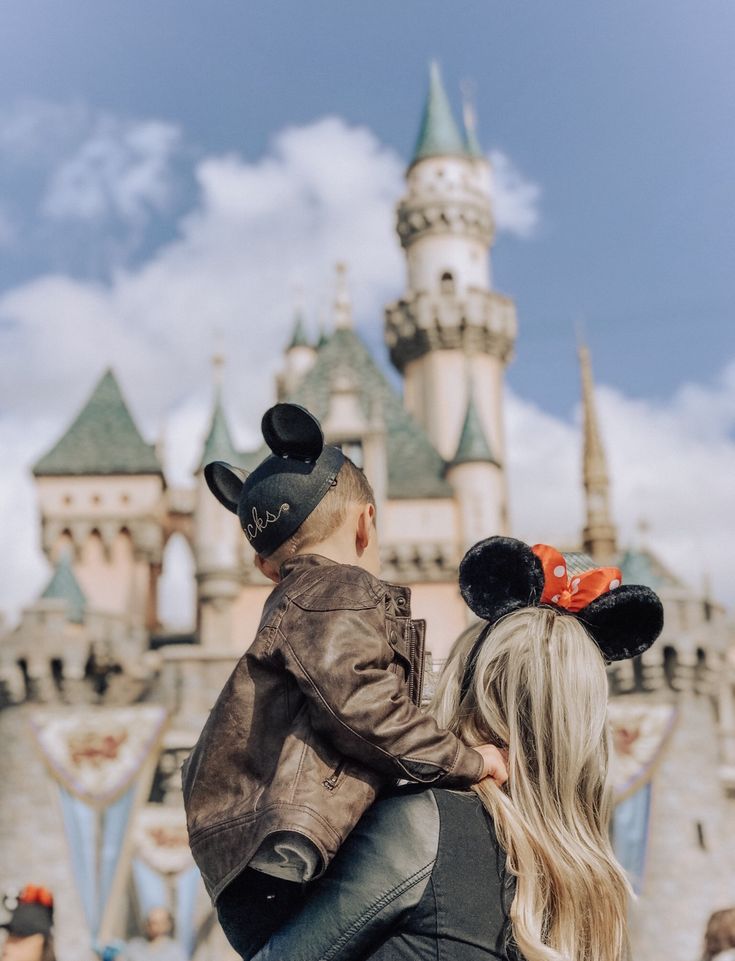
495	763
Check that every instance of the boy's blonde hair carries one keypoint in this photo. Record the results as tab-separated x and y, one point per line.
350	487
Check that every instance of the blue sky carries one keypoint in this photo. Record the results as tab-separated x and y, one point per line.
170	173
621	113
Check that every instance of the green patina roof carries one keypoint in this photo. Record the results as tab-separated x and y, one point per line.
299	337
219	445
439	135
64	586
643	567
415	469
473	444
102	440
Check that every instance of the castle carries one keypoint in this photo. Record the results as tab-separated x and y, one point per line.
436	459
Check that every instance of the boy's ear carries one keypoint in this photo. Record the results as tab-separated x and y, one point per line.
225	482
265	567
365	526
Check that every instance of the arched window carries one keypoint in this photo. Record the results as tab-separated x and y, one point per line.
446	282
177	586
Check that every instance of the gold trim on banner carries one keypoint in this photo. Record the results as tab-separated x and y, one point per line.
640	735
96	753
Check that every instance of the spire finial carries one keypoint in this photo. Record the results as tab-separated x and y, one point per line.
469	118
342	301
438	135
599	535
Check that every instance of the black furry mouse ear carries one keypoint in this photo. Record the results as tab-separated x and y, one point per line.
291	431
625	621
225	482
500	575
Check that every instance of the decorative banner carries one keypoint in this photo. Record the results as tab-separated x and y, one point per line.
102	760
96	753
161	840
630	834
163	869
640	734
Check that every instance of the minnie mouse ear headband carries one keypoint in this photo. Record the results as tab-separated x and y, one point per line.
32	912
501	575
276	498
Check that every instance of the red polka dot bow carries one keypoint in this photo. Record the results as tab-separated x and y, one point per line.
572	593
35	894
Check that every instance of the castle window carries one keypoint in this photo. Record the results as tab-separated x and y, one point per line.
446	282
96	499
124	499
353	450
67	500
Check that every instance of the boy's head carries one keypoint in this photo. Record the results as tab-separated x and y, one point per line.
303	495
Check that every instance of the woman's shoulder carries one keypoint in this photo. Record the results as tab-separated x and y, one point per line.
416	811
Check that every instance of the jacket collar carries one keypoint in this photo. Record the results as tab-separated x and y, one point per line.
301	562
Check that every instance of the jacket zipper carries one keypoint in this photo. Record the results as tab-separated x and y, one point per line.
330	783
417	670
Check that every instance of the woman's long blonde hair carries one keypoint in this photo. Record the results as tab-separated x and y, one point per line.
539	688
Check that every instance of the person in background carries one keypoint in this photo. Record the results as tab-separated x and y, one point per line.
30	926
158	944
719	937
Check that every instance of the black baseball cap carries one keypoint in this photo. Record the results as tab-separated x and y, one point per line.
30	918
275	499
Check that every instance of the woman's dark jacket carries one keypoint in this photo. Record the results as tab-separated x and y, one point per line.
421	878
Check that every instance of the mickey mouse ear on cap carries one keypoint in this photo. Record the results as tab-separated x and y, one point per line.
225	482
291	431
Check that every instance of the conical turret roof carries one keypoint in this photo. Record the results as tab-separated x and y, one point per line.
64	586
219	445
103	439
473	446
299	337
439	135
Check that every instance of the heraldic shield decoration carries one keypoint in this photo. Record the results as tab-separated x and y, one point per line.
103	761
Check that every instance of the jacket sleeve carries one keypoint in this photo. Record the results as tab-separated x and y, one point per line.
342	663
378	875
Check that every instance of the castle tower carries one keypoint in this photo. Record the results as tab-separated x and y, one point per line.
598	537
298	359
360	432
218	540
100	490
449	316
477	479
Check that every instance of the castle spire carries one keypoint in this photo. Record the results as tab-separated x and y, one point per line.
473	446
439	135
342	300
218	444
599	536
469	118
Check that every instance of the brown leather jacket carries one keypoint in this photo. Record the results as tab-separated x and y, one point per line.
317	716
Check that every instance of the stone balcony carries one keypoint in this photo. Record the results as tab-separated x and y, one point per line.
480	321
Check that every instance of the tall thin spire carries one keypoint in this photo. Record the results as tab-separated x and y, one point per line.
218	444
599	536
342	300
439	135
469	118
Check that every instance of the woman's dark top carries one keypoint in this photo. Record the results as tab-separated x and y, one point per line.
421	878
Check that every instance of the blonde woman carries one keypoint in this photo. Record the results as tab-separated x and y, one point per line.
524	871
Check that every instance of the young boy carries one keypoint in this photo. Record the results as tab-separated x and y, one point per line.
322	710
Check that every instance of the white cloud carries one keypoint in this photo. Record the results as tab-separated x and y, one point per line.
322	192
122	169
515	198
671	465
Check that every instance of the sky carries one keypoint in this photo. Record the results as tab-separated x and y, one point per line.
174	176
